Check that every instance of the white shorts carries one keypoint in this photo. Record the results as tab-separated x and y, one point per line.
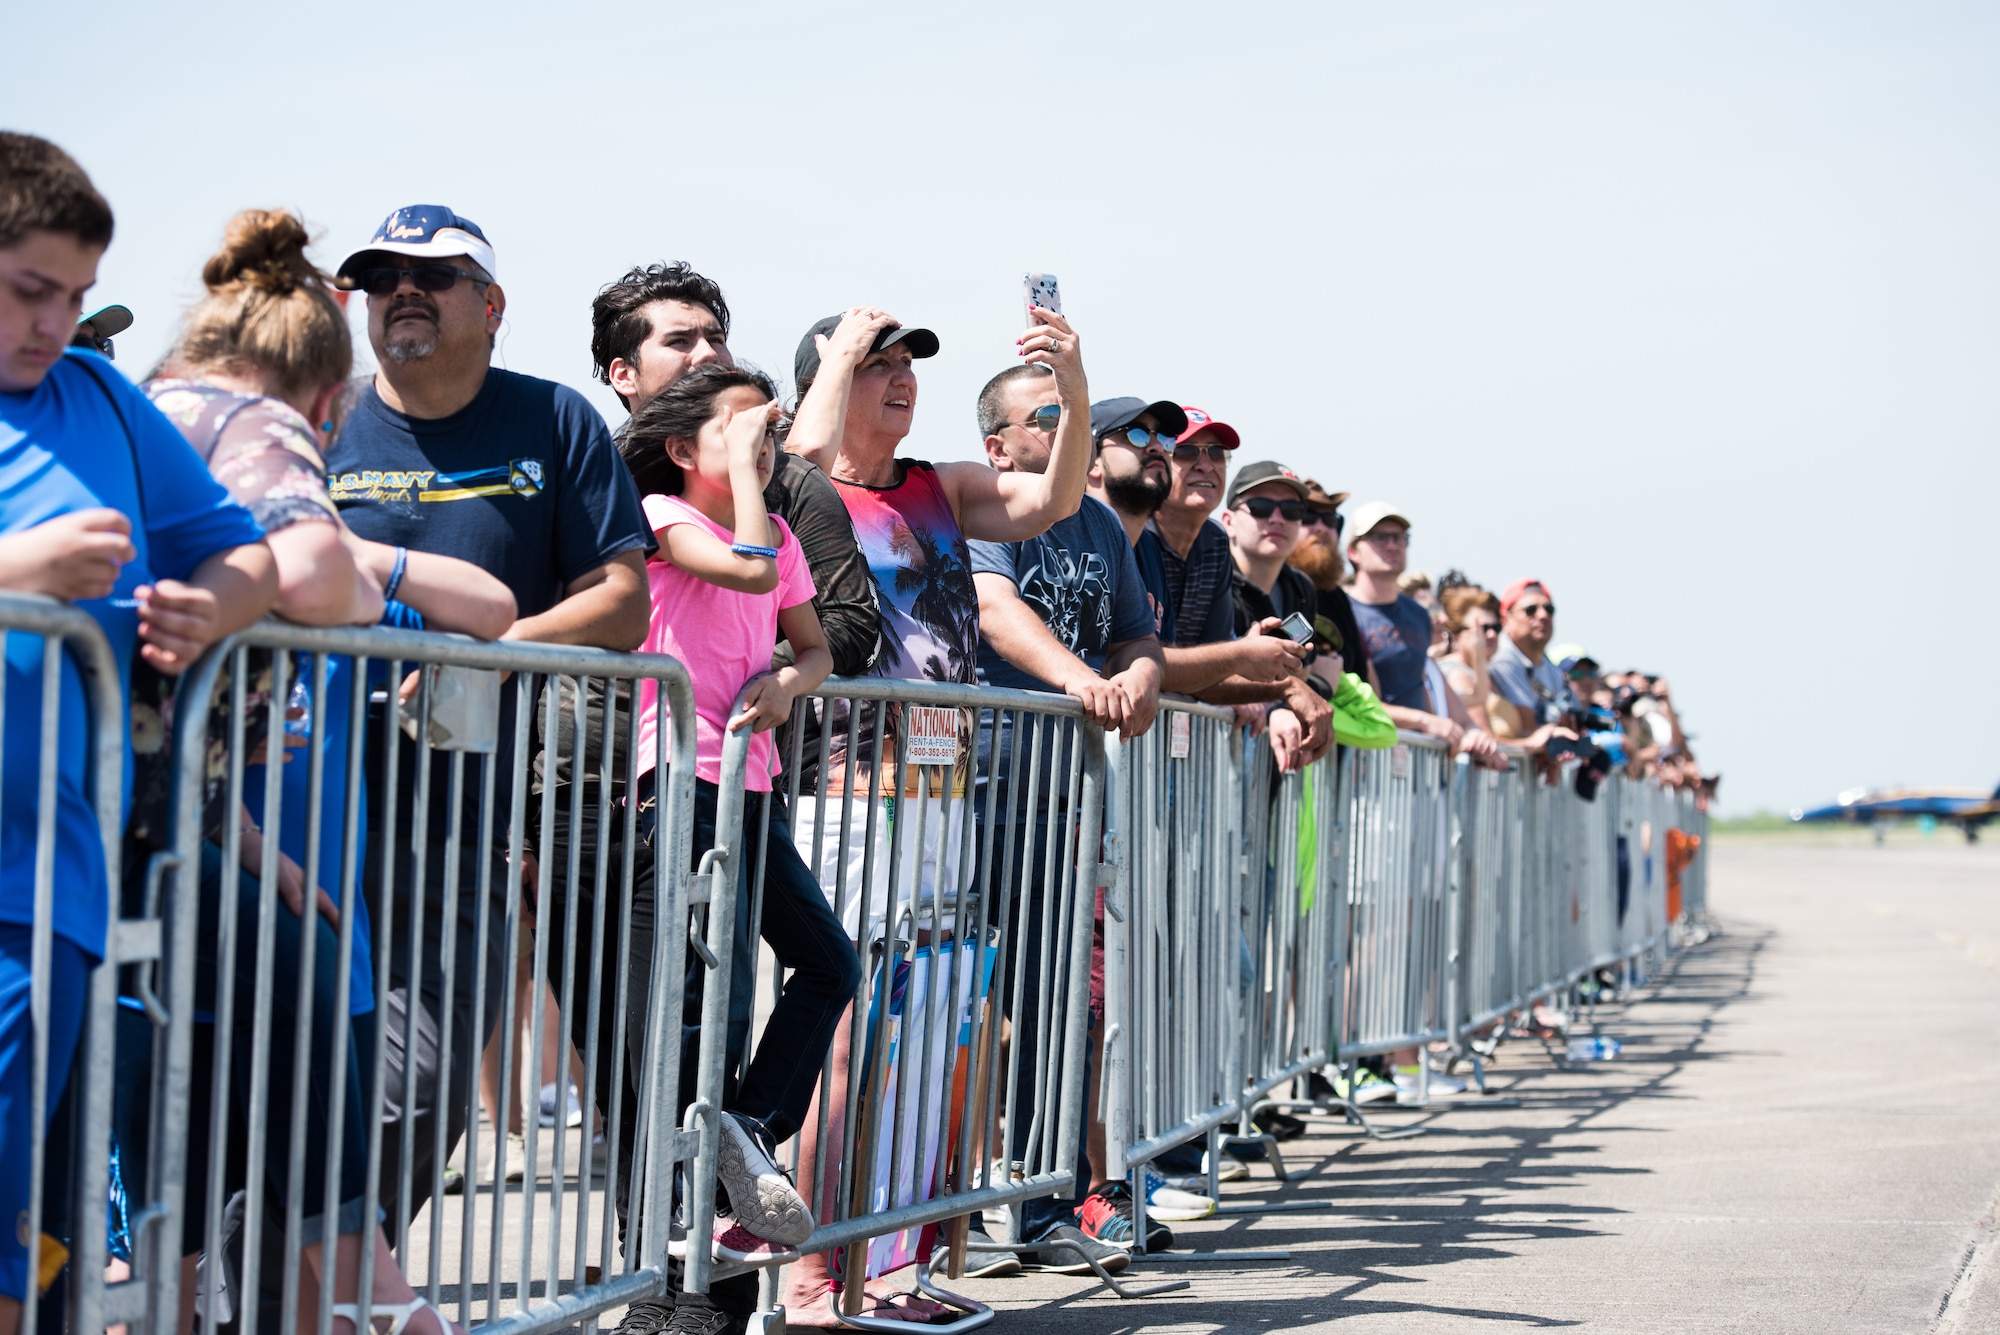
839	863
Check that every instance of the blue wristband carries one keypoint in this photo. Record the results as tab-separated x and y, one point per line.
396	574
752	549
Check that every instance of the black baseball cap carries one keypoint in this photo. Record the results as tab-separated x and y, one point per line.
1110	414
805	362
1257	474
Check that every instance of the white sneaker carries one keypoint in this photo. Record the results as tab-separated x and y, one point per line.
1173	1204
1232	1169
1372	1088
516	1157
1441	1085
575	1117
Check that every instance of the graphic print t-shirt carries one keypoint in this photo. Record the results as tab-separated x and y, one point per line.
523	482
1398	636
923	582
1081	579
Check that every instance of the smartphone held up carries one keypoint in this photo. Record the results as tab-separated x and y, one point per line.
1039	289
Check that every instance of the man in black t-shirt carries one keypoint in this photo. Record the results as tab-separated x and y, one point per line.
1318	555
445	453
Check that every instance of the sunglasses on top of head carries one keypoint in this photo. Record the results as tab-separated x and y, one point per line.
1263	507
385	279
1139	438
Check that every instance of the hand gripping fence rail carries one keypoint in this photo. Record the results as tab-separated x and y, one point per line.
936	880
311	1077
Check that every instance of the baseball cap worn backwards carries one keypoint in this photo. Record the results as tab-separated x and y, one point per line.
1518	590
805	362
1256	475
1110	414
422	231
1363	521
1199	421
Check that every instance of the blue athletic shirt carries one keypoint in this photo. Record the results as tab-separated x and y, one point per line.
71	444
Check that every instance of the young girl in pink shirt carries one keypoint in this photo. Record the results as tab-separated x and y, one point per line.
727	583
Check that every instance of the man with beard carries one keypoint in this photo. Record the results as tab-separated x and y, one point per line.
446	453
1318	555
1218	667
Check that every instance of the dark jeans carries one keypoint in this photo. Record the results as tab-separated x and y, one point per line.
808	941
132	1097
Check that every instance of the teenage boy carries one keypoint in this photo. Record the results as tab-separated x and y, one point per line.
446	453
106	506
1261	515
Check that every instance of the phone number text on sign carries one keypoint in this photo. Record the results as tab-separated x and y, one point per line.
930	735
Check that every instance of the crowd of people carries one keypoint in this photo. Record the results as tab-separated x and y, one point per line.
1108	549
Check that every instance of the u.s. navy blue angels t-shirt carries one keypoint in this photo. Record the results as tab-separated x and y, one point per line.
523	482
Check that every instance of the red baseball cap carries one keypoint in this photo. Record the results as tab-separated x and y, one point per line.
1201	421
1518	590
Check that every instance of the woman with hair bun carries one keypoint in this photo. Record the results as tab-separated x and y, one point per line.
255	383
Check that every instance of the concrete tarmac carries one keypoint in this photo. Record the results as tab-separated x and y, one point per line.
1801	1134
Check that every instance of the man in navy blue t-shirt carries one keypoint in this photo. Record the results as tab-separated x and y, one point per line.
446	453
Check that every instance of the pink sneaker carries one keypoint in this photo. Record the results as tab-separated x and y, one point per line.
735	1243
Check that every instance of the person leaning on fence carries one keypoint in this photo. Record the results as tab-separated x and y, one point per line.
1261	515
727	580
106	507
1398	633
447	454
253	381
1065	611
1521	671
1184	558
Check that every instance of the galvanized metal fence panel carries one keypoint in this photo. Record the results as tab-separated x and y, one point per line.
435	847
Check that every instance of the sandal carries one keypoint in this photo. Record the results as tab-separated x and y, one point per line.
396	1314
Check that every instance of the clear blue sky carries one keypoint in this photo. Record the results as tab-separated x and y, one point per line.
1692	309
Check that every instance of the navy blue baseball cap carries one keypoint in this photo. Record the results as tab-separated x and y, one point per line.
422	231
1110	414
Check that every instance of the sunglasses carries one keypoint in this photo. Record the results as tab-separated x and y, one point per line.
1263	507
380	282
1139	438
1043	419
1325	518
1187	454
1399	537
1535	609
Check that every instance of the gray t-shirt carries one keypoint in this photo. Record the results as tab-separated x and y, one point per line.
1538	688
1082	581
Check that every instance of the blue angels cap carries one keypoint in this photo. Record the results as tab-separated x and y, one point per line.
423	231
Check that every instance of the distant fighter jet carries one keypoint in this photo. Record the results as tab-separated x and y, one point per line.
1967	808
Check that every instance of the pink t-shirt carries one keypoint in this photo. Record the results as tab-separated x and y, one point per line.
723	638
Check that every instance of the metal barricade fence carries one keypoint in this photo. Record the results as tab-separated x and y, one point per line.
496	871
78	734
956	833
1492	965
1292	913
1174	935
1398	868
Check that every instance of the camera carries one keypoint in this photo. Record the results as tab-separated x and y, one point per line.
1594	762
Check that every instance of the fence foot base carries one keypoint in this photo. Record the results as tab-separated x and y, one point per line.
766	1323
1356	1117
1272	1155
